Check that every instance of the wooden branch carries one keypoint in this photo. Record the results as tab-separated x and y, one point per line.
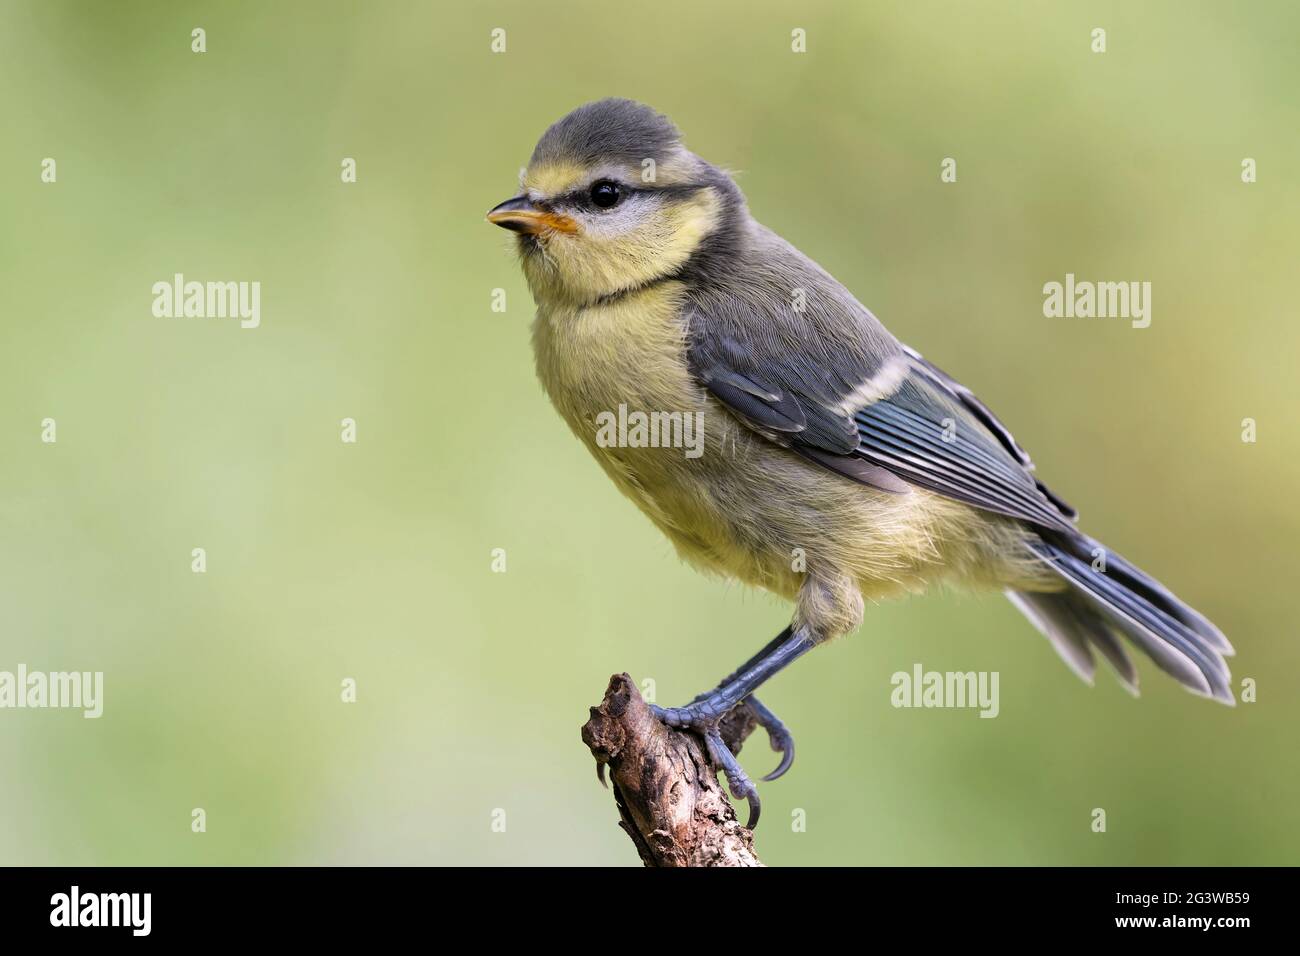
667	791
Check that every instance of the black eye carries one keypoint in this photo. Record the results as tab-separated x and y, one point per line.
605	193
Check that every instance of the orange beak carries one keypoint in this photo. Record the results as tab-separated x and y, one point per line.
520	215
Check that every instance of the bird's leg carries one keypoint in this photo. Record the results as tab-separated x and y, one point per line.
704	714
778	736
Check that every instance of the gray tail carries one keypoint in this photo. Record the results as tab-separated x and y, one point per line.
1118	599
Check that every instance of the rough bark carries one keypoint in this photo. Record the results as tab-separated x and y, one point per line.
668	795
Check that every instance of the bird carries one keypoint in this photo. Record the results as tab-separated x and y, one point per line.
836	465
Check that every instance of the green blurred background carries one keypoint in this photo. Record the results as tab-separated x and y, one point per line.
373	561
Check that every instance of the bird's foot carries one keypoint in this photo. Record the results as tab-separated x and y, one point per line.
704	716
778	735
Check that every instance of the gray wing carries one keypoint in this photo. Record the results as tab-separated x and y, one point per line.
817	373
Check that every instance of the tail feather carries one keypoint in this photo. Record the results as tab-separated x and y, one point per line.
1114	652
1160	596
1074	629
1122	599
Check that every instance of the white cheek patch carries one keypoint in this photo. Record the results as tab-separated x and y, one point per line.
632	213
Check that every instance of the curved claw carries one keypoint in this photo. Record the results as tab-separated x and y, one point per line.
755	808
742	788
786	748
778	736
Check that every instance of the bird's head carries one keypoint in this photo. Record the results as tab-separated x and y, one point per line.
611	202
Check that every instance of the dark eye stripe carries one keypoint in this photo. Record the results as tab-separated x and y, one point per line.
581	198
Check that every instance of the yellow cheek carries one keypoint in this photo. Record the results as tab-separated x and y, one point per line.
656	249
582	267
666	242
689	223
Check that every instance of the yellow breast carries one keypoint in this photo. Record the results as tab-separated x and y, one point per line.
629	352
618	374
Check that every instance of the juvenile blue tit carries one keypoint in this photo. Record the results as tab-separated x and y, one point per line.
834	463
